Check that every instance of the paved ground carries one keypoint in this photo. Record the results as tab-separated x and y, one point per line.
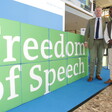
102	102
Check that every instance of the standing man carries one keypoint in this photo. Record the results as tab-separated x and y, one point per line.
94	40
108	39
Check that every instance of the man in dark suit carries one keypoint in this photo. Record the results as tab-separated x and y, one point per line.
108	39
94	40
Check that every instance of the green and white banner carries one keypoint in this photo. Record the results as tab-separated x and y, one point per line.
35	61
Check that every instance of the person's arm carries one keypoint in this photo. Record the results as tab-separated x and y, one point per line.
106	36
87	33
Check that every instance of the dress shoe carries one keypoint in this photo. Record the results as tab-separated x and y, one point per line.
98	77
108	81
90	79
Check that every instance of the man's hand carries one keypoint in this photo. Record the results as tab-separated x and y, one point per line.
110	42
86	44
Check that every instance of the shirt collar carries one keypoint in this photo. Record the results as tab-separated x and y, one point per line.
99	18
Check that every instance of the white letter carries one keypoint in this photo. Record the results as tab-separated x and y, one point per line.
1	90
10	42
81	66
61	48
26	48
47	79
69	49
12	81
75	69
43	48
81	48
35	77
61	71
69	69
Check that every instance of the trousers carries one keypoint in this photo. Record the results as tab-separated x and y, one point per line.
96	55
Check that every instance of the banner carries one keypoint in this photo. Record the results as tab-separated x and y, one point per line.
36	60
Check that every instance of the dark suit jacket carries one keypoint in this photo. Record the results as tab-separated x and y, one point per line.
109	31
